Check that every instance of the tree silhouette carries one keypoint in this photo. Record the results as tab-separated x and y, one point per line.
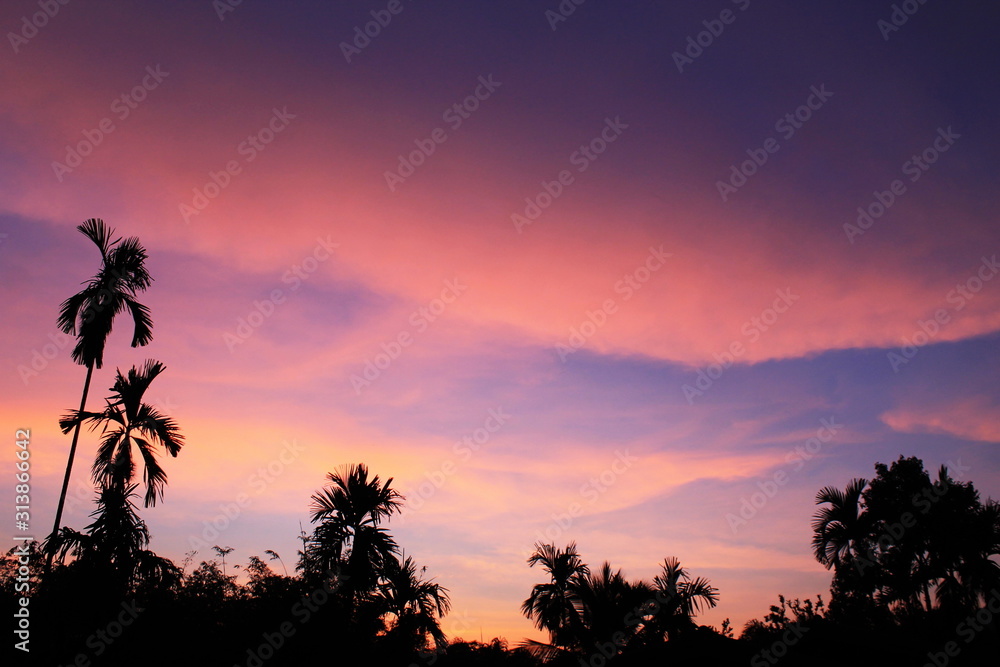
552	605
209	590
911	544
223	552
778	620
600	612
113	550
414	604
935	539
89	314
679	598
970	573
349	537
127	421
265	585
842	529
605	600
842	539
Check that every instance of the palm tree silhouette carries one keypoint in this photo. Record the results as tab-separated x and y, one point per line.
415	603
841	532
127	421
605	598
113	550
90	314
680	597
585	611
223	551
552	605
349	536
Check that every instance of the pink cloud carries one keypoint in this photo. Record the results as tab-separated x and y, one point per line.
973	418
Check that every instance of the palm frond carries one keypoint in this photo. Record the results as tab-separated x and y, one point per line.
98	232
143	321
154	475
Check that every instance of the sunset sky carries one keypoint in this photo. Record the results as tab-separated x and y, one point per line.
563	278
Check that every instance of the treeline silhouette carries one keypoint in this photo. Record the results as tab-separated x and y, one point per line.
914	562
915	582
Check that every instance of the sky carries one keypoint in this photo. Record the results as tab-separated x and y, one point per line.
643	276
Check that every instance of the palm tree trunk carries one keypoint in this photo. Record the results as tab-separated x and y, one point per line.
69	463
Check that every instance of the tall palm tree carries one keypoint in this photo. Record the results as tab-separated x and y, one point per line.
127	421
553	605
414	603
90	314
349	535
